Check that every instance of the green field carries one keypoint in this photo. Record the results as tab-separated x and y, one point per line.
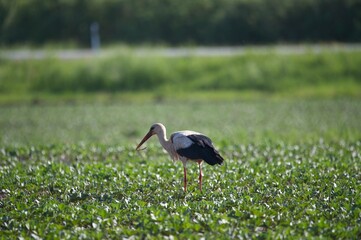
291	170
123	71
230	122
273	190
291	143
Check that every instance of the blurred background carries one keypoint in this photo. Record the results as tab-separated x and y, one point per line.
193	45
114	52
195	22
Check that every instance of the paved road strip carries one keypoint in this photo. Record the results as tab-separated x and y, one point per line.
177	52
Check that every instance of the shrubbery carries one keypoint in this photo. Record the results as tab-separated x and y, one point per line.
265	72
208	22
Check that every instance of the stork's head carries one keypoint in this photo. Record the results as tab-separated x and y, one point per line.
154	129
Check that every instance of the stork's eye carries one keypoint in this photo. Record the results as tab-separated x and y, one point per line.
151	128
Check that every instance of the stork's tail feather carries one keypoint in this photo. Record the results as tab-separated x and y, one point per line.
214	158
219	157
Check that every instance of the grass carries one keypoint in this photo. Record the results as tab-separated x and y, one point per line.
291	171
288	126
228	121
272	190
326	74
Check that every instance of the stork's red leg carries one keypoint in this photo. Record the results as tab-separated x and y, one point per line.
200	175
185	179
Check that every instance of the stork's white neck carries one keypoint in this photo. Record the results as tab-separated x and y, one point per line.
163	140
162	137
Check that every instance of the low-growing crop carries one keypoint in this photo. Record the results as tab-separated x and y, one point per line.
270	190
291	170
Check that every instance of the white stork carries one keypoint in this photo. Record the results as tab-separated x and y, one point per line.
186	145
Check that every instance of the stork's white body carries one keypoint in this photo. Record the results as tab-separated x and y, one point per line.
180	139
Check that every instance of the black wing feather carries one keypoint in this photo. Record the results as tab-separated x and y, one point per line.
202	148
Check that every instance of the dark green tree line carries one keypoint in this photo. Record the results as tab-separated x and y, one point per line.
207	22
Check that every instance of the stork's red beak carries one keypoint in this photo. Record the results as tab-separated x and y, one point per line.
146	137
